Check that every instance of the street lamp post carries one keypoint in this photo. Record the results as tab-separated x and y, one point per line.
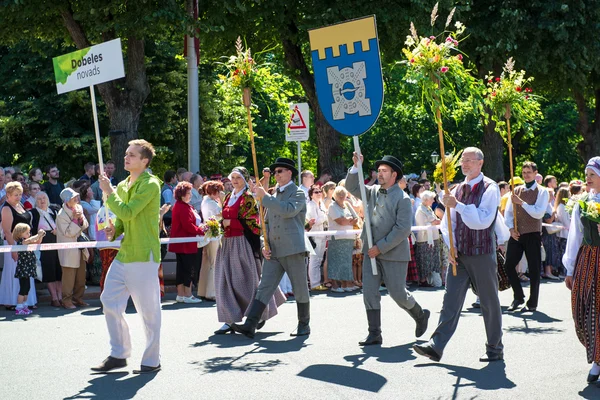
435	157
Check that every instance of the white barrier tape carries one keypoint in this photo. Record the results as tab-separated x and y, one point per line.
117	243
85	245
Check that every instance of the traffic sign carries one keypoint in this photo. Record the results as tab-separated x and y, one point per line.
297	128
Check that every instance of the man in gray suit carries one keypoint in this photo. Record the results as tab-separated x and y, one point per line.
390	212
285	218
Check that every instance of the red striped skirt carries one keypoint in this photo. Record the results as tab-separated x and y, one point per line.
412	275
585	300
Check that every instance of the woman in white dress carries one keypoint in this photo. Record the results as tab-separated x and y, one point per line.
316	217
211	208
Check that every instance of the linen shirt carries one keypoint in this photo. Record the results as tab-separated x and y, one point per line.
575	237
476	218
137	209
536	210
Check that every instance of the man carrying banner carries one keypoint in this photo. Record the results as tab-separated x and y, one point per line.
474	208
285	218
136	203
390	213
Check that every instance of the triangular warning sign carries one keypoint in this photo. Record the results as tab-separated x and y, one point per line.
296	120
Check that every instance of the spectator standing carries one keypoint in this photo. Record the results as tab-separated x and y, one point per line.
70	224
563	218
35	175
185	222
13	213
341	217
26	264
427	251
90	172
211	208
196	202
53	187
166	195
308	179
43	217
316	217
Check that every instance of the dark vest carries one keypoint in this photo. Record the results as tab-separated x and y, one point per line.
472	242
525	222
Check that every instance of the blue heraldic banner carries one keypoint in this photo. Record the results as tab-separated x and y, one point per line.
348	78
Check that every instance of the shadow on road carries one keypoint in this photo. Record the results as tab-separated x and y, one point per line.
345	376
261	346
591	392
110	386
490	377
395	354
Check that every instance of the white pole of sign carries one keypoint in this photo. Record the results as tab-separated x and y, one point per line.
299	162
98	144
363	195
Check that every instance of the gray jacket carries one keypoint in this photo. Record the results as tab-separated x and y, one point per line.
286	213
391	216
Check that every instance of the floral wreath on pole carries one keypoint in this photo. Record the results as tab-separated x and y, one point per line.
508	96
436	64
245	73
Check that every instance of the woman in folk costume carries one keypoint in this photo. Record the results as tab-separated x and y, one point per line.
582	261
238	265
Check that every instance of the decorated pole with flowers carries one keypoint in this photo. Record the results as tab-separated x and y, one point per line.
439	71
243	73
506	96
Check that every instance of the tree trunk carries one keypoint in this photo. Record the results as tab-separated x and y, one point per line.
124	102
331	158
493	147
590	131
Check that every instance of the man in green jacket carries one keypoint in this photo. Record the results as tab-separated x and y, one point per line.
134	272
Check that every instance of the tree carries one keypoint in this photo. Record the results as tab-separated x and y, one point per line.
84	23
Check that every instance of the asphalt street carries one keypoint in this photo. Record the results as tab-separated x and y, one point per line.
48	355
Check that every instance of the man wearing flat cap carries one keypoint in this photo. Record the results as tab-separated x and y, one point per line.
285	215
390	215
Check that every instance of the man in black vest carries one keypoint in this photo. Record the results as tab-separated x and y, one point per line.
473	206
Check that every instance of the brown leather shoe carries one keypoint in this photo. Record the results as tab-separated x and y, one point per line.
68	305
80	303
55	303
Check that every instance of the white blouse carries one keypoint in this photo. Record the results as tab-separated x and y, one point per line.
210	208
317	212
563	217
424	217
575	237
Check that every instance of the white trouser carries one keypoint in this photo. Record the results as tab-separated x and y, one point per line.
140	280
314	264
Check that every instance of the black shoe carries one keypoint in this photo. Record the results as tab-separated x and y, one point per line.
592	378
528	309
427	351
372	338
110	363
222	331
515	305
248	328
260	325
144	369
303	320
476	305
421	317
491	357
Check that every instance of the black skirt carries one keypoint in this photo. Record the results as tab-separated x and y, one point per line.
51	269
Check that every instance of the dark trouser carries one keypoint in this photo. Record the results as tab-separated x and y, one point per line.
185	268
531	244
24	286
482	271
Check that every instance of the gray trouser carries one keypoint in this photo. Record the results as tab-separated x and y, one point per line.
272	272
482	271
393	273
